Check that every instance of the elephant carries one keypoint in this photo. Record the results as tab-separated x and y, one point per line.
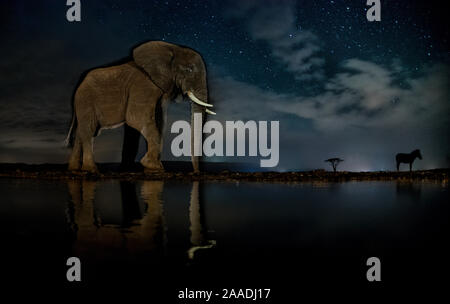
136	93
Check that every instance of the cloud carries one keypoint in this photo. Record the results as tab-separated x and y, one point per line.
275	24
366	113
35	108
366	95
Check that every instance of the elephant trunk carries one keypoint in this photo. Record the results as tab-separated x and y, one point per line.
196	108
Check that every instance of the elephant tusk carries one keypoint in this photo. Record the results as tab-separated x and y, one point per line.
210	112
198	101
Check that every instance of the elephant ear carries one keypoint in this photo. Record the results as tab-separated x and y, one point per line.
155	58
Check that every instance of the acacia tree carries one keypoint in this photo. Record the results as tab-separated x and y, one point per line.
334	162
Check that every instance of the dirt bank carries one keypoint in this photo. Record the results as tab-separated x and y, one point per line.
58	172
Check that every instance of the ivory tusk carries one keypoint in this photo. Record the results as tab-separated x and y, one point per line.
210	112
198	101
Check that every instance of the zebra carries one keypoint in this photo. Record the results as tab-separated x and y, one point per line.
407	158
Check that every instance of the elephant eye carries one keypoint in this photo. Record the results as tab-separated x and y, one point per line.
188	69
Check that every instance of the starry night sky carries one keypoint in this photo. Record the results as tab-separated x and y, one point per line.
339	85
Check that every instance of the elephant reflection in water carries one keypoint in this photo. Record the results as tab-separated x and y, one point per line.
140	232
137	232
197	220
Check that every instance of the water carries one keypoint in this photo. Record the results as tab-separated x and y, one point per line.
244	234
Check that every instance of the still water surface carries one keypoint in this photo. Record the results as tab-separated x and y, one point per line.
208	232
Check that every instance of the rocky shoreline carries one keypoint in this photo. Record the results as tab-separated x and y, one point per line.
58	172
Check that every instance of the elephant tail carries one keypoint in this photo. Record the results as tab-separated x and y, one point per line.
68	142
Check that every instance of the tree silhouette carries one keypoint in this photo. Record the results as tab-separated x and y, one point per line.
334	162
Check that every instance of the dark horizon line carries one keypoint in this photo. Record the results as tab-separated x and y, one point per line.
171	166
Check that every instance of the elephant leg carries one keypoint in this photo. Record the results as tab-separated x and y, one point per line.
162	124
74	160
151	159
88	157
130	147
85	134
